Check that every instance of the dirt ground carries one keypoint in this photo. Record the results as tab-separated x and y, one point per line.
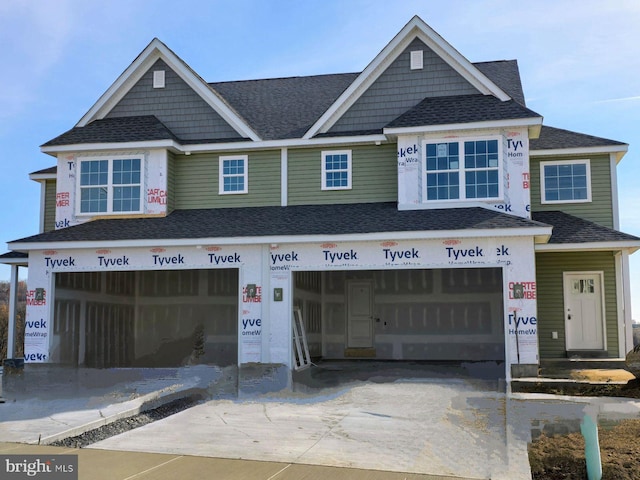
562	456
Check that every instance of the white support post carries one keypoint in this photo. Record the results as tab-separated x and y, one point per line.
620	306
628	317
13	305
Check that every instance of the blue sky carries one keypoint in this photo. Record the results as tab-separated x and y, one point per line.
579	62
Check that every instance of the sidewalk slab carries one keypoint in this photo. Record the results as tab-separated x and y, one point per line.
120	465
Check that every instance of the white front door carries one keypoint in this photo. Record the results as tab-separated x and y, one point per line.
583	311
359	314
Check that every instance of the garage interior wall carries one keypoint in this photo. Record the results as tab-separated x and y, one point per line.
420	314
146	318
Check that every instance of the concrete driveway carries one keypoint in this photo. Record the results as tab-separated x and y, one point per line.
444	427
409	419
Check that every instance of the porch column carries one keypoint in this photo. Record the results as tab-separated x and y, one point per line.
628	318
13	306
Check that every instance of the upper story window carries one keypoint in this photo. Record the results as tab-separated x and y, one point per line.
110	185
565	181
462	170
234	174
336	170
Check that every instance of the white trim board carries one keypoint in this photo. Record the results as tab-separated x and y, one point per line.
416	28
378	236
630	245
154	51
375	139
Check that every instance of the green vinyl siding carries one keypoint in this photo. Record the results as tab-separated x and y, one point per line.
550	293
196	181
374	176
599	210
49	205
171	182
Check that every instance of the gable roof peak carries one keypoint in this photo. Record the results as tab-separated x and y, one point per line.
154	51
415	28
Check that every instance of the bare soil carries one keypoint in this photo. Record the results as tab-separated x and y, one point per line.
562	456
631	389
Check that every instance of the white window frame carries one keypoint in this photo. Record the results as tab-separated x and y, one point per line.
461	170
110	185
584	161
222	176
326	153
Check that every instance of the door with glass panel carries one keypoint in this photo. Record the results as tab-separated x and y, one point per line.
583	305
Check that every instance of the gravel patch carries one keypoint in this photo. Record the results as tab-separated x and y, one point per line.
129	423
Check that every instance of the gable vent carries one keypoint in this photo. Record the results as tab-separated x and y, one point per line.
416	60
158	78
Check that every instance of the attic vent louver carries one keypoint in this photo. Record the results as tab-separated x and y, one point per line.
158	79
416	60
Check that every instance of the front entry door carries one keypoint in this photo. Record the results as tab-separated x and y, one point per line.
583	311
359	314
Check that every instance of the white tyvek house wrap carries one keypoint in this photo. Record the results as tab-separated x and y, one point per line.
515	173
38	328
267	267
153	188
44	263
515	255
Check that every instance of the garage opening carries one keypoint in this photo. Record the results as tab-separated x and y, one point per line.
421	314
165	318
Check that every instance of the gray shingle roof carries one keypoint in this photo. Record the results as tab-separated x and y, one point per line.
14	255
115	130
552	138
280	108
570	229
45	171
506	75
277	108
327	220
461	109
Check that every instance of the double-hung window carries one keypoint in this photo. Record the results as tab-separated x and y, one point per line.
110	185
462	170
336	170
233	174
565	181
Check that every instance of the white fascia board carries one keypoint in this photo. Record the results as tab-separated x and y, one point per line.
218	147
21	262
618	150
154	51
94	147
280	239
521	122
39	177
629	245
288	143
415	28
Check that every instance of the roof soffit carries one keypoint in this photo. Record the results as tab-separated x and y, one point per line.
154	51
416	28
